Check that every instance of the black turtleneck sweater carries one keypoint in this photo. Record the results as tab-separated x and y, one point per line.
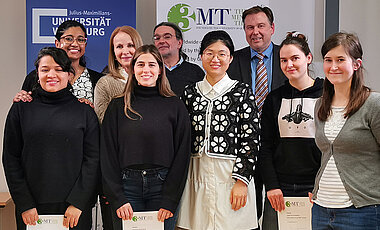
161	137
51	151
289	153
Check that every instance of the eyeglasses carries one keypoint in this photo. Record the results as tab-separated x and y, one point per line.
166	36
69	39
222	56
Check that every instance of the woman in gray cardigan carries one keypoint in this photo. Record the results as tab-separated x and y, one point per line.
346	192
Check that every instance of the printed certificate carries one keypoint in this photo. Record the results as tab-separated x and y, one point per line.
143	221
297	214
48	222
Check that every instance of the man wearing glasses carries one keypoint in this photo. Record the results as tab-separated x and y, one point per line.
168	39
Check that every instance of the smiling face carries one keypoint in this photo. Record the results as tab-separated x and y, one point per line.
74	50
146	70
294	62
166	41
339	67
216	59
51	76
258	31
123	49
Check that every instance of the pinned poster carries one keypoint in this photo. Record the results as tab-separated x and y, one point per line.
198	17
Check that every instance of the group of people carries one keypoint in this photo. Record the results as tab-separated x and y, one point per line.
198	147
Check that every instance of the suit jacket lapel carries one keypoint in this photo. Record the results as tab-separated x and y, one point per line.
245	66
278	76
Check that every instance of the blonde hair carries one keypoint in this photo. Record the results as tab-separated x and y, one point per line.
113	64
162	81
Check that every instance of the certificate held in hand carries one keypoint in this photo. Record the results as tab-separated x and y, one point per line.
297	214
143	221
48	222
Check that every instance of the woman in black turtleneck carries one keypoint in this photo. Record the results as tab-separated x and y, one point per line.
51	148
145	142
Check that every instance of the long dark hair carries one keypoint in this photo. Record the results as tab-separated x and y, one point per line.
162	81
66	25
358	91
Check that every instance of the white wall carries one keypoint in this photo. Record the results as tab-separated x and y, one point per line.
288	17
362	17
12	61
146	19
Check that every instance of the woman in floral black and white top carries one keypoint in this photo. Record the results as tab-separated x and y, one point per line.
71	36
225	137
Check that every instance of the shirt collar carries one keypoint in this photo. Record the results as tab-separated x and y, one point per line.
124	74
219	87
267	52
176	65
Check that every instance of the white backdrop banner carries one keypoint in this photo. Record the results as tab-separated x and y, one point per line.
197	17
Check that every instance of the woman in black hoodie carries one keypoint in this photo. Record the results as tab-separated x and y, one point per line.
289	158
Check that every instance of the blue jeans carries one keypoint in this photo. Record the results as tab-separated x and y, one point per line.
288	190
143	189
351	218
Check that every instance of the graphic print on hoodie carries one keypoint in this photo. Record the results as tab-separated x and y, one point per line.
289	153
296	117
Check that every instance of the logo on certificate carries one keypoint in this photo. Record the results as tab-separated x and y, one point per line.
142	218
47	221
294	204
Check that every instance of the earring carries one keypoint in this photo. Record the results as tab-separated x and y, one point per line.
38	81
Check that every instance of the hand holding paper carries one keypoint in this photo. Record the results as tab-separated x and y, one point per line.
297	214
164	214
48	222
125	212
276	199
310	197
144	221
30	216
71	217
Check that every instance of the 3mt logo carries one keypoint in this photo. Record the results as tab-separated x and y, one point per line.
134	219
39	221
181	14
294	204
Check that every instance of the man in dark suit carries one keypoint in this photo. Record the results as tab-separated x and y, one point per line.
258	28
